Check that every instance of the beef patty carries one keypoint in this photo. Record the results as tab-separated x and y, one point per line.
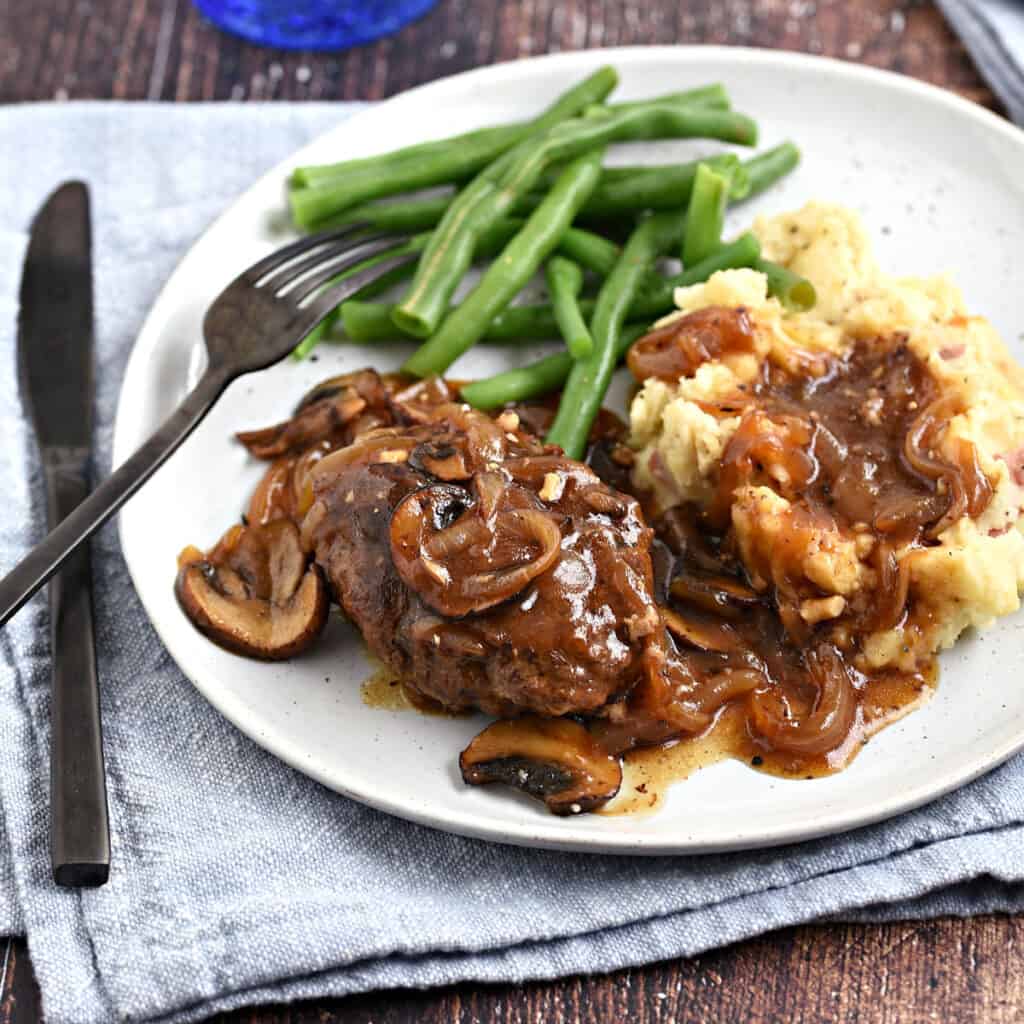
485	568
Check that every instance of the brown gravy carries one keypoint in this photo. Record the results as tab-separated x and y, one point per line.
384	690
649	772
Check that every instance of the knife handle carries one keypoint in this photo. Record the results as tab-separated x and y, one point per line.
79	829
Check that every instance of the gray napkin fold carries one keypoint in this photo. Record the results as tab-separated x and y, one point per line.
235	879
993	32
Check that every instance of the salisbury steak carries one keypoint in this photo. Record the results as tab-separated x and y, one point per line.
485	568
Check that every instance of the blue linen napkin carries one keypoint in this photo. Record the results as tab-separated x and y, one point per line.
236	880
993	32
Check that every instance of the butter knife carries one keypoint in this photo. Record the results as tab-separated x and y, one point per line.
55	342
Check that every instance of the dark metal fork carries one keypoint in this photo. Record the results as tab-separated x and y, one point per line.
255	322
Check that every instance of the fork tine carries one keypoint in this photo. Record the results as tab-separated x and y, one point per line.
295	271
259	270
334	295
334	266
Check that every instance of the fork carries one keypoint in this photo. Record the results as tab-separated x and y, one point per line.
254	322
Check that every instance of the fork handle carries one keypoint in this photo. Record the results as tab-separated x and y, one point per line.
48	556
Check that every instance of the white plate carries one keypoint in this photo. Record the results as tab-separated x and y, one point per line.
940	183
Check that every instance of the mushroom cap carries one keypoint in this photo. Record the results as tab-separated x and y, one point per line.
554	759
253	594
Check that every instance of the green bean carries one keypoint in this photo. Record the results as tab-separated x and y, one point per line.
517	264
713	95
766	168
660	299
589	250
398	216
565	280
482	145
489	244
497	188
625	190
547	375
450	250
367	322
315	336
446	258
536	379
796	293
589	378
477	147
436	163
621	190
371	321
706	215
660	188
529	323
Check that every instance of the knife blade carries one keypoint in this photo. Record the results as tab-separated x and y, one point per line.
55	361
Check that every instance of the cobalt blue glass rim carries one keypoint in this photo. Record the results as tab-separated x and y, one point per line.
312	24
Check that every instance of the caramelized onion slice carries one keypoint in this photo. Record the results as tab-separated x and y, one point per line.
969	489
285	491
729	684
380	445
460	561
258	598
829	721
680	347
272	498
554	760
893	585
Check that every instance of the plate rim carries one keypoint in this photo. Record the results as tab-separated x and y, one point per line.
557	833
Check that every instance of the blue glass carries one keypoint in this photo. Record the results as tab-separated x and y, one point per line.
312	24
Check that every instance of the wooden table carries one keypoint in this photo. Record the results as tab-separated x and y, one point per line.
946	970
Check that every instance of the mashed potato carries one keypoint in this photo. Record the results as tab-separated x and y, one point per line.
975	571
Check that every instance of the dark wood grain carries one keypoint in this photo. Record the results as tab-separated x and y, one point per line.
163	49
908	973
950	971
19	996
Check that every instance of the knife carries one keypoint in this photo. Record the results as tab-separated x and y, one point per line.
55	340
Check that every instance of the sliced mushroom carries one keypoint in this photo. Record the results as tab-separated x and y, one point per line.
484	441
368	384
323	415
714	593
442	459
253	594
687	540
316	422
700	632
555	760
419	400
